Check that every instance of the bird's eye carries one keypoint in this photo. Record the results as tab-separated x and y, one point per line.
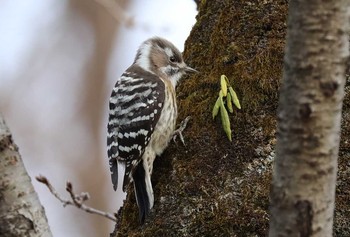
172	59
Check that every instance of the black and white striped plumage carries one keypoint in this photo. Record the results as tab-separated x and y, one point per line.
142	116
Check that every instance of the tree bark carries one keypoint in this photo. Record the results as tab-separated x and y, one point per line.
21	213
212	187
309	115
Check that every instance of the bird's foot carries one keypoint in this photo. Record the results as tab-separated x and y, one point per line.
178	132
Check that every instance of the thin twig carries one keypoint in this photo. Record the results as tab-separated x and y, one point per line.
77	200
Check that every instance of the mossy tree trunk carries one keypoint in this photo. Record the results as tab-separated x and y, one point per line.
21	213
213	187
308	132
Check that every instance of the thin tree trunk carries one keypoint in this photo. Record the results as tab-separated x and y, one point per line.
21	213
308	133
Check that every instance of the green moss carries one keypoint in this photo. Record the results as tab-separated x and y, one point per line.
204	189
213	187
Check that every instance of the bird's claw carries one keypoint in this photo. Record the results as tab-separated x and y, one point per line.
178	132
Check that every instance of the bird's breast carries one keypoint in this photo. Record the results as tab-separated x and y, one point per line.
165	127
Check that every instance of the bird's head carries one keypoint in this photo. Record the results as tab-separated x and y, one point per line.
161	57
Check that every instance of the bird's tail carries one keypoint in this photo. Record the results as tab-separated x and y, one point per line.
143	191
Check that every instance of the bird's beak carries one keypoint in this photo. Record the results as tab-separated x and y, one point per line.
190	70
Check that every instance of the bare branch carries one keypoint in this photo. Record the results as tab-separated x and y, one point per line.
44	180
76	200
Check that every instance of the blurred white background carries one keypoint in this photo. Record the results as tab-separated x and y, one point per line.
59	61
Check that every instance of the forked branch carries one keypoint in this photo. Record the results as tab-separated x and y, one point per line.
76	200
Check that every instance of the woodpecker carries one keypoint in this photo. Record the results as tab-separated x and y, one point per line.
142	116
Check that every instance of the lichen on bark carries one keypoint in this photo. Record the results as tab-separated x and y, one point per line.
21	213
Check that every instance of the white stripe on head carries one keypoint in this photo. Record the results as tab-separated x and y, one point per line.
144	55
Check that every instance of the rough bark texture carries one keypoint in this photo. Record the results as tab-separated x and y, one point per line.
213	187
21	213
308	131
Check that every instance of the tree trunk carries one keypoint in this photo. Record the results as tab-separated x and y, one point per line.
213	187
21	213
308	131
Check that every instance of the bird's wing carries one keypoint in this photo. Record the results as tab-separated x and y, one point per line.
135	107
